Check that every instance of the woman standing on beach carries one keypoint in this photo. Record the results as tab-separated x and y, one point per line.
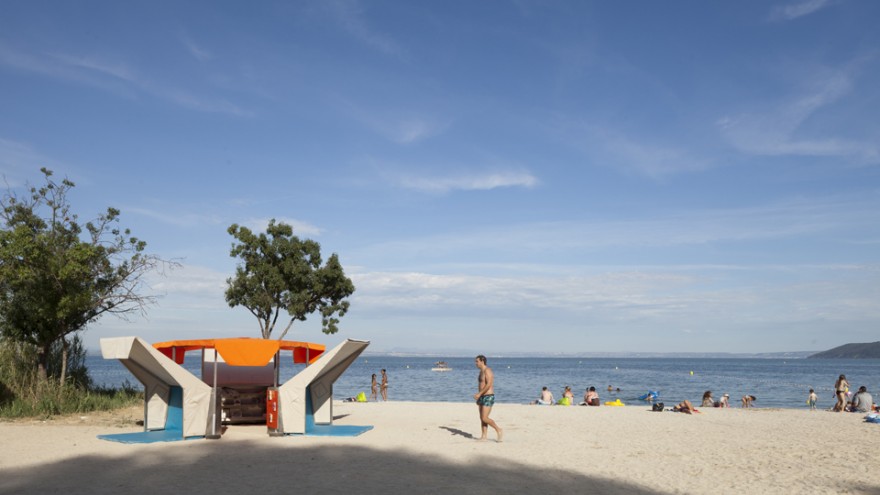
841	386
373	388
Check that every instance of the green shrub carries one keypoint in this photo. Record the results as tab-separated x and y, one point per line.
23	394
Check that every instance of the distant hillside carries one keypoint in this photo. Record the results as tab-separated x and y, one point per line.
869	350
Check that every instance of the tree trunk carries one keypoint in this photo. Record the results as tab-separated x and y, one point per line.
42	363
64	346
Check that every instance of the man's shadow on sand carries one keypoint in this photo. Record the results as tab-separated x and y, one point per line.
456	431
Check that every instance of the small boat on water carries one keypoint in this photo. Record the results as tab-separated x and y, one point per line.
441	366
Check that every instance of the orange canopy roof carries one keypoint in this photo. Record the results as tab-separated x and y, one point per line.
243	351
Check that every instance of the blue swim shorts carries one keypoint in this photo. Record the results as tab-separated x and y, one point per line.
487	400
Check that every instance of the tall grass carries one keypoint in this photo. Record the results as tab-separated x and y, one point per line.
24	394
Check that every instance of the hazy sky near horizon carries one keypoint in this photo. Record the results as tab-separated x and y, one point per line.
495	176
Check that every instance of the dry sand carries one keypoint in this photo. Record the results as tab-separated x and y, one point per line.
421	448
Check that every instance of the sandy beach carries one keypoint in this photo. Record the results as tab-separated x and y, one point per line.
432	448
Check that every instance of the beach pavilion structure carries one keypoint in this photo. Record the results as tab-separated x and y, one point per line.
239	384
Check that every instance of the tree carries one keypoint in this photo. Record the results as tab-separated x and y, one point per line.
280	271
57	275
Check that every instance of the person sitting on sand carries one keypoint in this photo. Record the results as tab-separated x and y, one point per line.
567	394
685	406
724	401
591	397
546	398
708	401
862	402
747	401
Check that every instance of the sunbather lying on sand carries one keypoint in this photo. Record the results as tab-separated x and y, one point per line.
685	406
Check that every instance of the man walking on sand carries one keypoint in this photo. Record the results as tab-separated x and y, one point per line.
486	398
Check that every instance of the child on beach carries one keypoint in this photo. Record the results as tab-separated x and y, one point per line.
747	401
812	399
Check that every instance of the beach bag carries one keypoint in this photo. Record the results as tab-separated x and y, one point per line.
595	401
361	397
658	407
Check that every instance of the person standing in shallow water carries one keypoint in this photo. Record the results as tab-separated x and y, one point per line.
485	397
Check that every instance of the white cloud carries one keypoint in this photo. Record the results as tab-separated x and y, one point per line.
470	182
798	9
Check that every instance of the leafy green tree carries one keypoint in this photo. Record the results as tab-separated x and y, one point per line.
280	271
58	275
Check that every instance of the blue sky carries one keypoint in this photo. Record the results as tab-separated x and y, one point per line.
495	176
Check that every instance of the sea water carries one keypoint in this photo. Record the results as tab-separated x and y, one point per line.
775	382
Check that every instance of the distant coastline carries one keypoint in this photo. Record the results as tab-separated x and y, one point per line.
868	350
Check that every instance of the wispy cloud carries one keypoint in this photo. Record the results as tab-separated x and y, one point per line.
179	219
401	127
350	16
798	9
655	160
470	182
797	293
777	222
427	291
115	70
18	161
201	54
401	130
634	152
299	227
776	131
199	285
111	76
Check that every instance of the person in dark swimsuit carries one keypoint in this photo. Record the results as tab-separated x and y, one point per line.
485	397
841	387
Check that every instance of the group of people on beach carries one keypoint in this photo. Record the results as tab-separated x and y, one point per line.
591	397
381	387
485	398
862	401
